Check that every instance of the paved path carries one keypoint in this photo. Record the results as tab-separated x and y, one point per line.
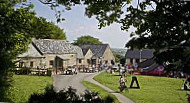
64	81
119	96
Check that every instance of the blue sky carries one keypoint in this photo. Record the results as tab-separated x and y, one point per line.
77	24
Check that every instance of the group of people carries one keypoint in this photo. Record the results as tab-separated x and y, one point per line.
177	74
128	68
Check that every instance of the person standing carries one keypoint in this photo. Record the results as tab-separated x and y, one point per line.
119	67
135	66
122	83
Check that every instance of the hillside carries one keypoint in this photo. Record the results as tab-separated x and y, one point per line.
120	51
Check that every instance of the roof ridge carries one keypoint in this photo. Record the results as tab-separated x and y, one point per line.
96	44
53	39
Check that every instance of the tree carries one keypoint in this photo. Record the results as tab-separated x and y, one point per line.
86	40
15	24
118	57
46	30
162	25
18	26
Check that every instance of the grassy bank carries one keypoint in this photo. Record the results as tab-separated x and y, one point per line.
23	86
153	89
101	91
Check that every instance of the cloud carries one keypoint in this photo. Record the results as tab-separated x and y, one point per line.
76	25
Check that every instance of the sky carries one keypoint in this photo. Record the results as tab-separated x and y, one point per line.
77	24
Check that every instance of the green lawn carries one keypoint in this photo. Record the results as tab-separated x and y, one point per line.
153	89
103	93
23	86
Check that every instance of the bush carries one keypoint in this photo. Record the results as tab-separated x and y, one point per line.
67	96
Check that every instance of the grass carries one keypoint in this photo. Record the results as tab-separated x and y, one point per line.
153	89
103	93
23	86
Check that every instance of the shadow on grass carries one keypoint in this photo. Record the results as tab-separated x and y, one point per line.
117	75
183	90
120	75
68	96
134	88
115	92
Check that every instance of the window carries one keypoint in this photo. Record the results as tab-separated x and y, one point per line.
21	64
112	62
51	62
131	61
80	61
31	64
88	61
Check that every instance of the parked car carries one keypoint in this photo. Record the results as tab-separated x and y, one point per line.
69	70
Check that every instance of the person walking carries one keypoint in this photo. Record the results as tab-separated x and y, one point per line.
122	83
119	67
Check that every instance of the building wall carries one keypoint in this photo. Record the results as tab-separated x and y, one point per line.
51	57
45	62
108	56
26	62
88	55
128	61
80	63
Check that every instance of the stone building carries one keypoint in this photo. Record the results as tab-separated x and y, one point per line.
97	54
136	56
50	53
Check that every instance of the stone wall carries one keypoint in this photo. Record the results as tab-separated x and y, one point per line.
51	57
108	56
88	55
48	58
30	62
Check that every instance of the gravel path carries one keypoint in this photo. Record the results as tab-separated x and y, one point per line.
64	81
119	96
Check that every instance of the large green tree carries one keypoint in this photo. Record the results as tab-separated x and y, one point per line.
14	37
162	25
86	40
46	30
18	25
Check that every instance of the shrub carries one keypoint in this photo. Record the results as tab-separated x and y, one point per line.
67	96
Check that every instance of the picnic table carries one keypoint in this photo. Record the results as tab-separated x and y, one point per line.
39	72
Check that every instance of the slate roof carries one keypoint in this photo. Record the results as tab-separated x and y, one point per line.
51	46
85	51
32	52
79	52
97	49
62	57
135	54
